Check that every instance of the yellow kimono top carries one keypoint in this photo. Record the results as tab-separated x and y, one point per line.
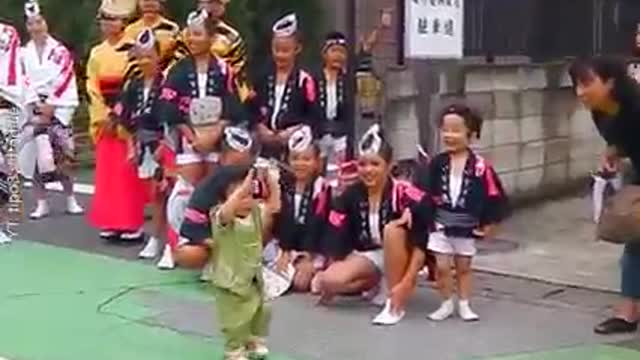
166	32
105	79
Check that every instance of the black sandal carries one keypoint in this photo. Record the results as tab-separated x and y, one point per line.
615	326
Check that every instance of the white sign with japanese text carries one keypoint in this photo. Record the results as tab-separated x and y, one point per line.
434	29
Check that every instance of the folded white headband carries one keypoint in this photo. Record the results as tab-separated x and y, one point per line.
287	26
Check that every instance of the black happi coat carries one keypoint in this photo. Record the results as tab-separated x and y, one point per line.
136	114
341	125
298	102
349	230
181	87
304	232
482	200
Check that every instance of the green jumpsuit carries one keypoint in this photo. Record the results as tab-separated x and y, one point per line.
236	274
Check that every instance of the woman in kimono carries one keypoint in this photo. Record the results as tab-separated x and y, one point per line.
137	111
13	96
300	226
196	99
377	228
120	195
334	106
47	140
165	31
286	94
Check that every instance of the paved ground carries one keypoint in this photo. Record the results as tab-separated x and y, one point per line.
67	296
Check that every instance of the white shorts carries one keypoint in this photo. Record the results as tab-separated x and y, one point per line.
189	156
376	257
441	244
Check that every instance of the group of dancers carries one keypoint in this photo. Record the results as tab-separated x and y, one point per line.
253	178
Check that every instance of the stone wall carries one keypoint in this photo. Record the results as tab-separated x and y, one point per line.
538	137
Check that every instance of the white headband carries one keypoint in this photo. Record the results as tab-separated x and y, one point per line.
301	139
31	9
197	18
237	138
146	40
371	141
285	27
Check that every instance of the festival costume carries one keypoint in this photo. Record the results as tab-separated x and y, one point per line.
13	96
464	204
118	185
229	46
242	309
165	31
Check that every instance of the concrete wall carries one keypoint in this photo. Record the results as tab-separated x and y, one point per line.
538	137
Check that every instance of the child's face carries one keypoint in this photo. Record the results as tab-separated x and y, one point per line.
372	170
455	134
284	51
150	6
246	203
305	164
198	40
335	57
148	61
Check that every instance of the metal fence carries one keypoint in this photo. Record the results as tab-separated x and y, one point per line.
548	29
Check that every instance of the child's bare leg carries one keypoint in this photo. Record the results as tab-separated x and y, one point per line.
464	276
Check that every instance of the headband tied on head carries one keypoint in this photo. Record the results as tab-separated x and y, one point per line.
31	9
238	138
197	19
371	142
334	39
301	139
146	40
286	26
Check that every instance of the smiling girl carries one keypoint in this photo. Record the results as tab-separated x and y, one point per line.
469	201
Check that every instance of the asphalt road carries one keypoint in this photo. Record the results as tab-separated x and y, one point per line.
528	319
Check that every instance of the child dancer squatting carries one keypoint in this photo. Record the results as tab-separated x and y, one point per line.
469	201
239	226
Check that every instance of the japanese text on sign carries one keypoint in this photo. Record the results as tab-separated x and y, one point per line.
434	29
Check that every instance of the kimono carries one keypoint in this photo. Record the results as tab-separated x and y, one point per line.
138	111
283	107
13	96
166	33
118	185
302	221
229	46
334	112
52	77
482	200
236	276
354	228
186	93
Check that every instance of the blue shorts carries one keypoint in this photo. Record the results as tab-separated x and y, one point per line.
630	286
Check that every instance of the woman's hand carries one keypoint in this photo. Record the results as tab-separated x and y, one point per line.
406	219
610	160
284	135
485	232
282	264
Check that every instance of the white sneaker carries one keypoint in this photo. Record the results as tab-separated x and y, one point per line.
4	238
41	211
315	284
166	262
151	249
444	312
73	208
387	316
257	348
465	312
133	236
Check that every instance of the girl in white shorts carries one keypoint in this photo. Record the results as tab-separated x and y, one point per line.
469	200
